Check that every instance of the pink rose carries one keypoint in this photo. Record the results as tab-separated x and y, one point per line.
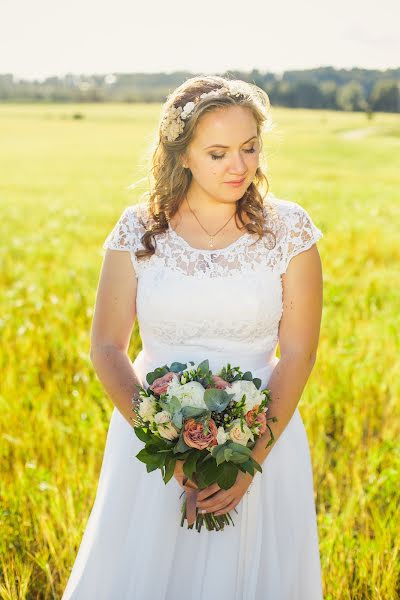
219	383
252	418
261	419
160	385
194	436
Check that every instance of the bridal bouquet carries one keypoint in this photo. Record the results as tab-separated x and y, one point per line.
209	421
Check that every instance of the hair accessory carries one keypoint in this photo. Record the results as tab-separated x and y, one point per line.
173	121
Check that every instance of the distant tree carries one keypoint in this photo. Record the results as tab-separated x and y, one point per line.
308	95
328	92
351	96
385	96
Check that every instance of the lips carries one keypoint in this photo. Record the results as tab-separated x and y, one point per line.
239	181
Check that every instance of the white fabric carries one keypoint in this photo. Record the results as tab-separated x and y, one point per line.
224	305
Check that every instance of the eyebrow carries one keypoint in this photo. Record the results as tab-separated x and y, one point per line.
221	146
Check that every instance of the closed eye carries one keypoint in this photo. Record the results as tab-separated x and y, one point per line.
216	157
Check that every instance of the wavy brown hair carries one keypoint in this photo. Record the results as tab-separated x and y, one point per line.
171	180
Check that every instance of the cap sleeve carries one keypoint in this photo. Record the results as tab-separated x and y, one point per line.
125	234
301	233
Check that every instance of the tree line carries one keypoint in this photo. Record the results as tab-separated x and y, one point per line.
322	88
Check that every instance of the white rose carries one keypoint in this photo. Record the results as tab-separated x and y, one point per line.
162	417
164	426
187	109
239	436
147	409
189	394
253	396
222	436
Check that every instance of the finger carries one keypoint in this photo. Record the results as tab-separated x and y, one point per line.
227	508
208	491
215	503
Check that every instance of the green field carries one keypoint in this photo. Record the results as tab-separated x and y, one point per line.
63	185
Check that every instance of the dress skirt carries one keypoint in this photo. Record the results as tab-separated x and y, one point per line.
134	548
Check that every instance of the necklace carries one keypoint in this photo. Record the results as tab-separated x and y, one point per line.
211	241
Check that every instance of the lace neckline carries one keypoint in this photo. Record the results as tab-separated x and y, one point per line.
240	239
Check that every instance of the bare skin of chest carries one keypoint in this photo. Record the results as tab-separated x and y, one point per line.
190	230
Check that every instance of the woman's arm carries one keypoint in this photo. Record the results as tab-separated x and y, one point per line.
298	342
113	320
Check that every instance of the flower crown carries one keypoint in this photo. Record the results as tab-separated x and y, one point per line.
173	121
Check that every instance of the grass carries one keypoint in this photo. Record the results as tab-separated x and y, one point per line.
64	184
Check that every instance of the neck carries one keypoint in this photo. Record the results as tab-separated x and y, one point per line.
204	205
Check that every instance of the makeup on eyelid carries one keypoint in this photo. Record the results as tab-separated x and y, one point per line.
216	157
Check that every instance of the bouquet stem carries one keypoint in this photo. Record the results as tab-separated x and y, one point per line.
211	521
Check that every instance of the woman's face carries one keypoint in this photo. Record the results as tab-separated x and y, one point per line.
224	148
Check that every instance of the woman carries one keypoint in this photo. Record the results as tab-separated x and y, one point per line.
212	270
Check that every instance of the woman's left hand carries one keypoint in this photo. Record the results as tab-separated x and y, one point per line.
218	501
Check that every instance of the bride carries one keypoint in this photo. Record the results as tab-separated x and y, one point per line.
213	269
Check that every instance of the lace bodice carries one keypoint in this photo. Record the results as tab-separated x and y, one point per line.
227	300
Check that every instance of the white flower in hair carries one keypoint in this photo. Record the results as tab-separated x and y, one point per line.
189	106
173	122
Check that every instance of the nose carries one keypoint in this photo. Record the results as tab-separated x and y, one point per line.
238	166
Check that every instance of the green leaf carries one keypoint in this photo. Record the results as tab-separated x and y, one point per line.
181	445
217	400
151	468
177	366
144	436
194	411
247	467
159	372
247	376
257	382
170	462
177	419
227	475
238	458
151	459
228	453
189	466
240	448
256	465
204	366
207	473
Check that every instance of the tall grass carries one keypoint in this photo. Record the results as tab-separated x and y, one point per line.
64	183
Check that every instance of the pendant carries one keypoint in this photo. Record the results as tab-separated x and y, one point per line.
211	244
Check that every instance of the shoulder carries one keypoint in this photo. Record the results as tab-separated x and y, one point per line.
286	210
290	214
293	225
128	229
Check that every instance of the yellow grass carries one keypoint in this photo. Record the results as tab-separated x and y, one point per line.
63	186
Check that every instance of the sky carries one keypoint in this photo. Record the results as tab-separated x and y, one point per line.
44	38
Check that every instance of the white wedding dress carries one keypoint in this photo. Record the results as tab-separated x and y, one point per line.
223	305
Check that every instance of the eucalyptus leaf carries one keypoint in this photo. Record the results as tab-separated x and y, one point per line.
177	419
257	382
217	400
176	367
194	411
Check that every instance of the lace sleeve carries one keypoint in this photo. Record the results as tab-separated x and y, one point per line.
125	235
302	233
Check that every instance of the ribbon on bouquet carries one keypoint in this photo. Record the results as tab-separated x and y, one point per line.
191	491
